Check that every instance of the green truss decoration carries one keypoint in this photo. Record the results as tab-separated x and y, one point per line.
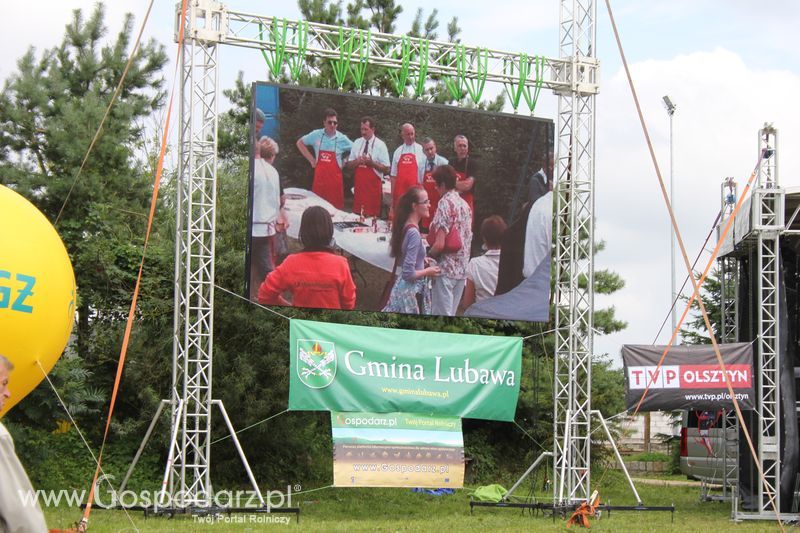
538	62
299	40
359	69
481	64
522	69
341	66
400	76
275	58
418	83
455	84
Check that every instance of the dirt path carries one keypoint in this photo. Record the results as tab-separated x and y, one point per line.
666	482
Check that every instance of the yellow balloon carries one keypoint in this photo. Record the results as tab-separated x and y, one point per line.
37	294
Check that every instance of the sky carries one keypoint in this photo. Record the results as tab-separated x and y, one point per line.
728	65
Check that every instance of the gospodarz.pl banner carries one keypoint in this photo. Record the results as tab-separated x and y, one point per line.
397	450
689	378
335	367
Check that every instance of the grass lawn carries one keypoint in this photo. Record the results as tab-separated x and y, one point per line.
401	510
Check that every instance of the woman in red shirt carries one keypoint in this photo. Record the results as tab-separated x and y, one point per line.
315	277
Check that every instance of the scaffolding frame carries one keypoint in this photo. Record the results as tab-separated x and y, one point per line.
574	264
572	76
767	220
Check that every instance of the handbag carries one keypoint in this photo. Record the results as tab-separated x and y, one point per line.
452	241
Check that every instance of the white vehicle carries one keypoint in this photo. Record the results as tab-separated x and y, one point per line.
708	447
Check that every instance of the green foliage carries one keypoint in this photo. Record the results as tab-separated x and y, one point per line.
482	467
650	457
74	384
49	112
696	331
56	461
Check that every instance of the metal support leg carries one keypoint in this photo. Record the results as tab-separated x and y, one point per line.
619	457
250	476
143	444
526	474
173	444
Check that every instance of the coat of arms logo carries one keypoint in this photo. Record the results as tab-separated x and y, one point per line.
316	363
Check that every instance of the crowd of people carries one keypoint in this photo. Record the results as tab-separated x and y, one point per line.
431	213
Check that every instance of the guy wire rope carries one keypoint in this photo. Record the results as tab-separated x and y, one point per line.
696	285
84	522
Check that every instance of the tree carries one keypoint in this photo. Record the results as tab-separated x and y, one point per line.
695	331
49	112
50	109
381	16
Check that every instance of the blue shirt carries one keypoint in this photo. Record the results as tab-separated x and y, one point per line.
339	143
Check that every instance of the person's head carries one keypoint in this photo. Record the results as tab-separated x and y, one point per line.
268	148
330	120
260	119
429	147
5	369
408	133
415	200
461	146
367	127
492	230
445	177
316	229
539	186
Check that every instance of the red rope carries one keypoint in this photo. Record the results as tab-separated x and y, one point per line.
696	286
131	313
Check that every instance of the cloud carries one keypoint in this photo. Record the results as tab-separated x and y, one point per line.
721	104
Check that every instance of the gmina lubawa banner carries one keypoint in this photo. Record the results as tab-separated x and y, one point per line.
336	367
689	378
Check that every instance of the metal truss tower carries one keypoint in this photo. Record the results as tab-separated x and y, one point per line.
573	76
187	474
574	262
729	332
768	224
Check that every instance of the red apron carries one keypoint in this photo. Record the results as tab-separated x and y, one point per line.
429	184
328	179
406	178
467	196
368	192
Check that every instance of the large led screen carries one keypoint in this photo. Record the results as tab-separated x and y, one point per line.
382	204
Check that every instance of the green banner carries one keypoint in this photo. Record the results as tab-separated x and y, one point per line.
397	450
335	367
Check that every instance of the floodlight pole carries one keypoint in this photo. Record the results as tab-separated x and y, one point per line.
673	293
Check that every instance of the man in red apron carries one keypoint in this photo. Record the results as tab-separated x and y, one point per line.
432	160
370	159
407	165
329	146
466	170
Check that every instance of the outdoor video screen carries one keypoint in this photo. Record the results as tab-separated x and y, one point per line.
381	204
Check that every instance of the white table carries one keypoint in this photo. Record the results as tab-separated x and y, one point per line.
360	242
